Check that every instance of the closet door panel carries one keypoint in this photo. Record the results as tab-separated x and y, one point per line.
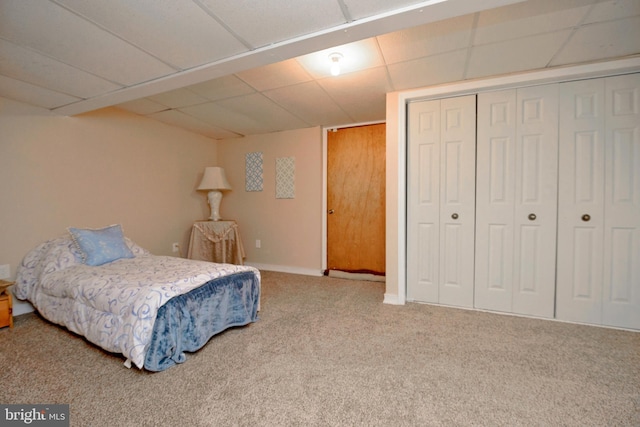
495	193
621	297
441	200
423	202
581	202
457	201
536	189
517	200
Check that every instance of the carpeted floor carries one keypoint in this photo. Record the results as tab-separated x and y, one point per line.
327	352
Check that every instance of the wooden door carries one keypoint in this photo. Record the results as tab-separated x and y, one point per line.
356	199
441	201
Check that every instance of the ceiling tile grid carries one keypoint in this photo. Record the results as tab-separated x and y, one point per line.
265	22
31	67
310	102
144	24
227	68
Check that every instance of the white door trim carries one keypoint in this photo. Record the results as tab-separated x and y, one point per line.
555	75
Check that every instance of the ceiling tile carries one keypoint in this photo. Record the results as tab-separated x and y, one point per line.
221	88
96	51
224	118
362	95
528	18
12	107
276	75
528	53
195	37
180	119
273	21
606	10
264	111
426	40
359	9
178	98
142	106
443	68
31	94
32	67
309	102
599	41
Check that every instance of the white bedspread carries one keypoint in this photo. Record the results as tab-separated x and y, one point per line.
113	305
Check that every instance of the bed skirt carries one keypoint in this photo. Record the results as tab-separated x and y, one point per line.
187	322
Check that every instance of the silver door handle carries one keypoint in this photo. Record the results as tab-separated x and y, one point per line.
331	211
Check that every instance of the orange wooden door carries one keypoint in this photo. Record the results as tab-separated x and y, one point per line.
356	199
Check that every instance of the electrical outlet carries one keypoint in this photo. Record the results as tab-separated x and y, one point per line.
175	247
5	271
258	244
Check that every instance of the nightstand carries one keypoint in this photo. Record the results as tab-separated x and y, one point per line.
6	306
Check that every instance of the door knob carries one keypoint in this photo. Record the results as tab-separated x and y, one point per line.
586	217
454	216
331	211
532	217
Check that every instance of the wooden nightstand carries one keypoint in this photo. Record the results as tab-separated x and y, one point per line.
6	306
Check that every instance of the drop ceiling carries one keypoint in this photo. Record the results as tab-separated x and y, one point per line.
228	68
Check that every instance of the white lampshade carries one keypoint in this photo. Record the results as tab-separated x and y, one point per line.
214	179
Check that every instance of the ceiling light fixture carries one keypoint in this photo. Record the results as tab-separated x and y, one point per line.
335	58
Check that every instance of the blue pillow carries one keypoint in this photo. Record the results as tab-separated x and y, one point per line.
101	246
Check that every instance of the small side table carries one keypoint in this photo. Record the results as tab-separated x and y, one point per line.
6	305
216	241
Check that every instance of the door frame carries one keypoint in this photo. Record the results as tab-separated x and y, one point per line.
325	131
398	200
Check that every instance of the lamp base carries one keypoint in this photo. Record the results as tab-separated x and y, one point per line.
215	197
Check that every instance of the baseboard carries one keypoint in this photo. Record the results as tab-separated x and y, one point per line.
391	299
286	269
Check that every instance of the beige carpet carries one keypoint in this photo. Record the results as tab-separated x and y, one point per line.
327	352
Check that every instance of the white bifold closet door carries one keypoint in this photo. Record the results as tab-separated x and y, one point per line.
599	202
441	201
516	209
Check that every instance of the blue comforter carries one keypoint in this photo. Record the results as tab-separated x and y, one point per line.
187	322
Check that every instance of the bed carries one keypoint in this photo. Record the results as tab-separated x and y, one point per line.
151	309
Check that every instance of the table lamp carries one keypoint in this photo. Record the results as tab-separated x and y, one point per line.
214	181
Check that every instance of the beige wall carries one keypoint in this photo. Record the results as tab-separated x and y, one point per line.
393	202
290	230
93	170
